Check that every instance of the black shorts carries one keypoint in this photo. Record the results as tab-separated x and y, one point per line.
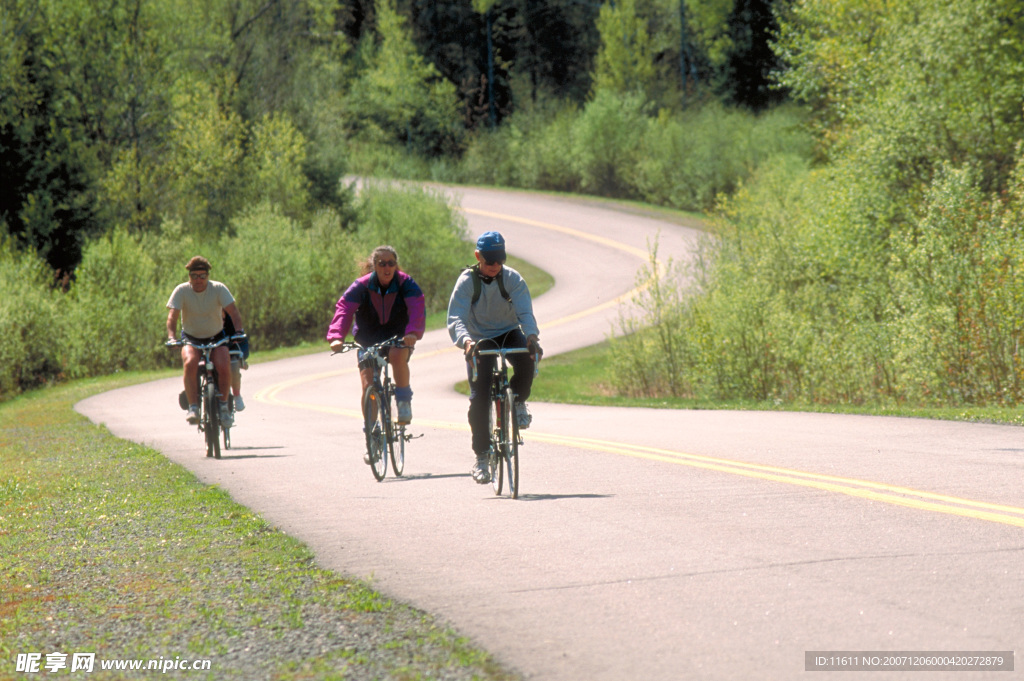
205	341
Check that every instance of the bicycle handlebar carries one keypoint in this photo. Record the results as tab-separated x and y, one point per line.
393	342
178	342
502	352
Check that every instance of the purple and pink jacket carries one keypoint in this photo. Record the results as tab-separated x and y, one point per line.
379	314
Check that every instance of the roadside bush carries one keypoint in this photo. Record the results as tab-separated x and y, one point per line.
650	357
426	229
116	314
787	303
490	158
606	140
960	288
284	277
546	155
30	332
687	161
532	149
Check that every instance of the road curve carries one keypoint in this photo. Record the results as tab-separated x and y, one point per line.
647	544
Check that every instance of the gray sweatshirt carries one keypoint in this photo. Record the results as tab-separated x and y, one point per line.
492	315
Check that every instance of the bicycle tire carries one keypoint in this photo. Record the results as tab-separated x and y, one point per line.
227	429
496	458
212	421
511	433
398	450
376	438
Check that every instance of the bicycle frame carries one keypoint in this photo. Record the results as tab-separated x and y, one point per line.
209	392
503	426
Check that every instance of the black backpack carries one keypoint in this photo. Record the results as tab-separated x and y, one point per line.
475	269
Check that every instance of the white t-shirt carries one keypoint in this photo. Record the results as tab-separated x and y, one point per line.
201	313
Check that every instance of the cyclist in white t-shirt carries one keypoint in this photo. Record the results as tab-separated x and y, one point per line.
200	303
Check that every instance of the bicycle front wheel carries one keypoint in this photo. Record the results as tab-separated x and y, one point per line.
398	450
510	435
373	426
211	420
497	456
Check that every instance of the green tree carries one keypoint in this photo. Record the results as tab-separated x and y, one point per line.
399	97
624	63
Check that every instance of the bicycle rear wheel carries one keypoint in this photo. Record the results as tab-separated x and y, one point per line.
510	435
211	420
227	429
373	426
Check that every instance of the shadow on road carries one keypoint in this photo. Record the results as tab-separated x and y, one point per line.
554	497
427	476
225	455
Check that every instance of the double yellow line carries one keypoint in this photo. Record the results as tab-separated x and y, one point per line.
862	489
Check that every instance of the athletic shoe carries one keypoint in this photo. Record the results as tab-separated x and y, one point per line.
404	413
481	472
239	403
523	417
226	419
193	415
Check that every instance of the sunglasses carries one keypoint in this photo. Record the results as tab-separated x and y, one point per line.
386	263
198	275
492	263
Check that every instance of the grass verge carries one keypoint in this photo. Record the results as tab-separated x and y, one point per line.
107	547
586	376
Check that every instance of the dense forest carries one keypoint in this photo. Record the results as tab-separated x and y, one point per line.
860	159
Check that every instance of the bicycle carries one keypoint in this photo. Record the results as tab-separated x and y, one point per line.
381	431
209	394
502	423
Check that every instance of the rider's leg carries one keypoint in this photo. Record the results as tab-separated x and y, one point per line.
522	376
522	365
365	378
190	359
480	402
399	359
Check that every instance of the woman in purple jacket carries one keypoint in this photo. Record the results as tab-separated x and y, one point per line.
383	303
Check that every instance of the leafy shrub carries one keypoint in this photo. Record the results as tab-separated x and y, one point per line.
285	278
648	359
606	139
425	228
687	161
491	157
30	326
961	289
545	156
116	316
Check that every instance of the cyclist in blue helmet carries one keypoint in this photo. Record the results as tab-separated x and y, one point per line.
492	302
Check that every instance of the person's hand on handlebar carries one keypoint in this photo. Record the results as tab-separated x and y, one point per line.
468	348
337	345
409	340
533	345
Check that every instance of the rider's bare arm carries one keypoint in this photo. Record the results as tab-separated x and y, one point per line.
172	323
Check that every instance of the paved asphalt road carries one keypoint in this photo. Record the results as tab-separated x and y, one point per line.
647	544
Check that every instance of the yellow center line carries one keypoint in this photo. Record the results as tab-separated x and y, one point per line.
866	489
604	241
